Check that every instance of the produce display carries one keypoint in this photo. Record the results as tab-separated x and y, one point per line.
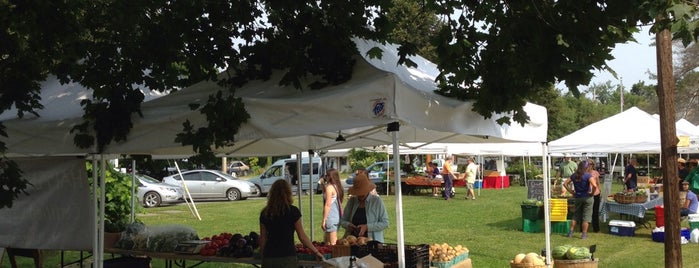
231	245
138	236
529	259
351	240
568	252
446	253
305	253
533	202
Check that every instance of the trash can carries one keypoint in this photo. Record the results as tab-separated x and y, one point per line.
659	216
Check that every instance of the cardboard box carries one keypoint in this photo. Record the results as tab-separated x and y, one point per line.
622	228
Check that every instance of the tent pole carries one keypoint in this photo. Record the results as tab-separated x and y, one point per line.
96	201
310	189
399	201
133	190
103	171
547	212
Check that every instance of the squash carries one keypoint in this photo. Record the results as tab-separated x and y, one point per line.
518	259
533	259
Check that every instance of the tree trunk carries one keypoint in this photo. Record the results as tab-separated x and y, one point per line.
668	148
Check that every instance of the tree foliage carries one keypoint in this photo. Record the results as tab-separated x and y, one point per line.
119	49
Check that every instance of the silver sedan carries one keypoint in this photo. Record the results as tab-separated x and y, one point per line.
205	183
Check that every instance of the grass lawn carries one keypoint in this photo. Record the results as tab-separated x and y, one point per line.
491	227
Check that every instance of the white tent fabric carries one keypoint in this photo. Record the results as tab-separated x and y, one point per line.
509	149
631	131
286	120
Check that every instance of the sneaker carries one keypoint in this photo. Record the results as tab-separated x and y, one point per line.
570	234
584	236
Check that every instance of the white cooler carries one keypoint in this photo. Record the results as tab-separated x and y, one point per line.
622	228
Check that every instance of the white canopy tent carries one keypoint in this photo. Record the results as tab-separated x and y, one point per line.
631	131
286	120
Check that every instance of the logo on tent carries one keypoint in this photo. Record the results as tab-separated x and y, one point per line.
379	107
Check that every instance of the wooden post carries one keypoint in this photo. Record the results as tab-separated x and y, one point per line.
668	147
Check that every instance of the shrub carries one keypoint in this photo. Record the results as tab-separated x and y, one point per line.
117	204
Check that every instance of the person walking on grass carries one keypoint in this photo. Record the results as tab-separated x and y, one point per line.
471	172
279	220
448	176
584	186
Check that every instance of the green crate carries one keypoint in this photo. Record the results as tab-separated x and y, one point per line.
561	227
530	212
532	226
693	225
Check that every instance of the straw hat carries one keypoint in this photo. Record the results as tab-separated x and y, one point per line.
681	160
362	185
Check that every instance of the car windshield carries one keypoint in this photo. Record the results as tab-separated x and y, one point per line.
224	175
147	178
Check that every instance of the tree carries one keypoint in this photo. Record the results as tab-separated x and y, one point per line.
120	48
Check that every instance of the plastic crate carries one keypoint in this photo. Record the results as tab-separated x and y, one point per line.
560	227
417	256
530	212
532	226
693	225
457	259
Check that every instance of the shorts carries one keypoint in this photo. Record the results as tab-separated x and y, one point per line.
583	209
331	226
469	185
332	223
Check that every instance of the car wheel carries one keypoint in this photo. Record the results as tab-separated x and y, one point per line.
259	190
151	199
233	194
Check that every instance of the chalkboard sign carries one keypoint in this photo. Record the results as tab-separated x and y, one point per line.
535	189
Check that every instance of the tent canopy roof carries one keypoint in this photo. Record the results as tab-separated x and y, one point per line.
286	120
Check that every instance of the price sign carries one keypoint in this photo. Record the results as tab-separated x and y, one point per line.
535	189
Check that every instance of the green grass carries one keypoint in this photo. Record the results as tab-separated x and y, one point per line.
490	227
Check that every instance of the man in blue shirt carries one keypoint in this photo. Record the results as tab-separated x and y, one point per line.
631	176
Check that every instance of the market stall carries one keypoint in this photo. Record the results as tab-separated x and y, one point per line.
498	182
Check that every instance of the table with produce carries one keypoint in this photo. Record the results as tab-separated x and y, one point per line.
177	245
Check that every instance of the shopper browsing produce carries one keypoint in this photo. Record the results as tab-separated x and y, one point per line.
278	222
365	214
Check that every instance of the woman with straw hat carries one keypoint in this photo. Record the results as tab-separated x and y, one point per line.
364	214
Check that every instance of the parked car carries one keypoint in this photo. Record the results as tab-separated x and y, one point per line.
377	172
205	183
238	168
152	193
286	169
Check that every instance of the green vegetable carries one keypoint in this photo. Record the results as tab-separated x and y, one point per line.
559	252
578	253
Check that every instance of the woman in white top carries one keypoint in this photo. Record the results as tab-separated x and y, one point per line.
333	196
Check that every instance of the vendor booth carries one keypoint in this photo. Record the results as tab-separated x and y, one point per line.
284	120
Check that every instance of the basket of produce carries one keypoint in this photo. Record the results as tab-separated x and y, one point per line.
641	196
568	256
529	260
444	255
625	197
585	263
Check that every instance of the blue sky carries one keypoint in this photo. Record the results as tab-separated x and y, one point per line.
632	62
